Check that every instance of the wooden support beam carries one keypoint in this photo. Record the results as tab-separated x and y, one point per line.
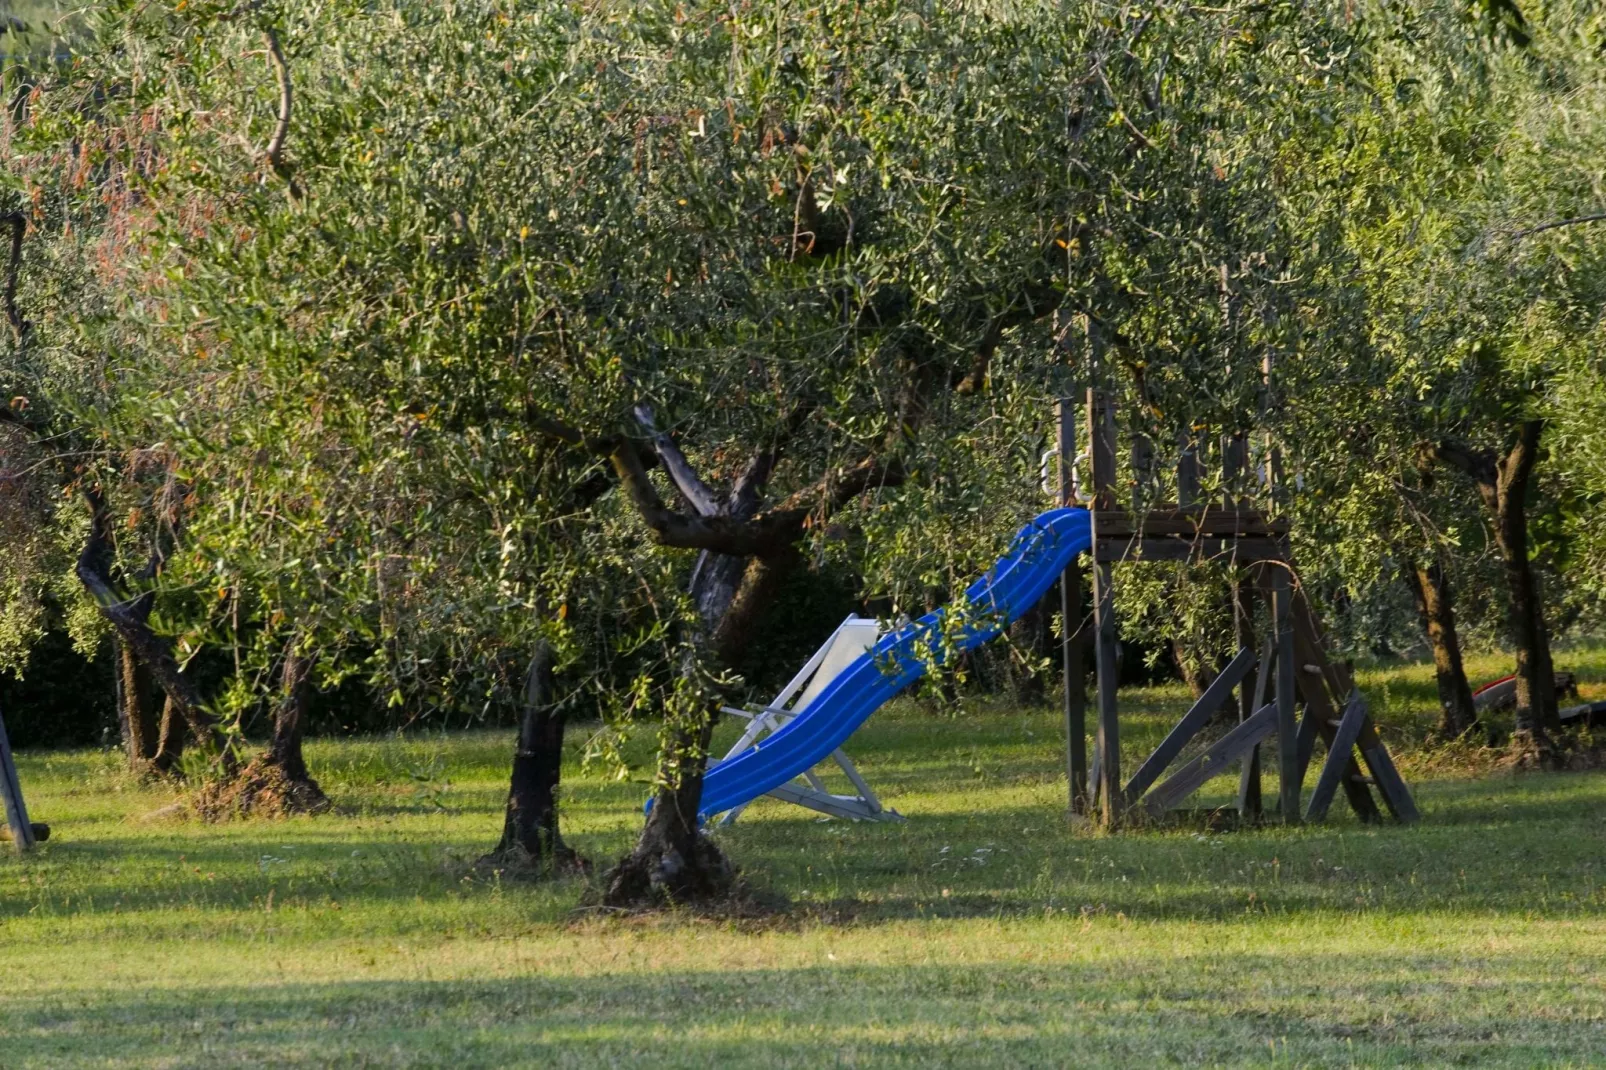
1101	448
1208	705
1134	548
1109	729
1287	728
1318	692
1249	795
1396	796
1101	452
1212	762
1339	755
22	833
1196	520
1308	735
1234	459
1189	471
1141	455
1073	641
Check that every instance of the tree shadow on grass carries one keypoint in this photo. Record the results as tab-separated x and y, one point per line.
1509	847
1522	852
1195	1008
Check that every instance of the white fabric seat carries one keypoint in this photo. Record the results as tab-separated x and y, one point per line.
847	644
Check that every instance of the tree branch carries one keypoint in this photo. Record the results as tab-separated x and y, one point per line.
697	493
1554	224
1518	463
1037	300
274	153
1478	464
760	534
124	615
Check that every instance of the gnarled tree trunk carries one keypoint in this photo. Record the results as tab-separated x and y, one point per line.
531	840
1436	605
277	782
1032	635
174	732
673	861
1503	483
134	713
130	618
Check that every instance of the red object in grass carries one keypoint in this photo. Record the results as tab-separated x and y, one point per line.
1494	683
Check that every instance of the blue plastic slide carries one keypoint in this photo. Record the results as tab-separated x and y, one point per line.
1040	552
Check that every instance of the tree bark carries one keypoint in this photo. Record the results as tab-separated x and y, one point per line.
134	713
673	861
277	782
1503	483
1031	634
129	617
290	719
1436	605
175	731
531	840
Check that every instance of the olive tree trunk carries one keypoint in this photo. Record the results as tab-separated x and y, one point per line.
531	840
673	861
134	710
1503	483
1435	604
276	783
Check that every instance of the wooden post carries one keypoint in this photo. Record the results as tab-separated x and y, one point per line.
1250	697
1101	448
1234	459
1143	481
1287	730
16	811
1073	643
1187	470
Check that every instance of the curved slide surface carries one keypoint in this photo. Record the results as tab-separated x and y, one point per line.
1039	553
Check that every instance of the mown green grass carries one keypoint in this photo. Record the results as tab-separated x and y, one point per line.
983	931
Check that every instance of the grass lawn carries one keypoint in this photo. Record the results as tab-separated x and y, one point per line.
983	931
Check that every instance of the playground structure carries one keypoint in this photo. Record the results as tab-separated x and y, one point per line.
859	669
22	833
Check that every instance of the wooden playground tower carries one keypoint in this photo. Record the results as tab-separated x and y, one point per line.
1294	668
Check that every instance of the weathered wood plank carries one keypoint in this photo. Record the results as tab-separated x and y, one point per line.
1288	785
1109	729
1172	548
1396	796
1141	457
1073	640
1101	449
1310	648
1189	471
1073	657
1308	734
1212	762
1208	705
22	836
1249	794
1194	520
1339	754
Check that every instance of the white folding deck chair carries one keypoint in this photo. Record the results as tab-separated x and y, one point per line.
852	638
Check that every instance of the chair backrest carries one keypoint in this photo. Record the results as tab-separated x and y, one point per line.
850	642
